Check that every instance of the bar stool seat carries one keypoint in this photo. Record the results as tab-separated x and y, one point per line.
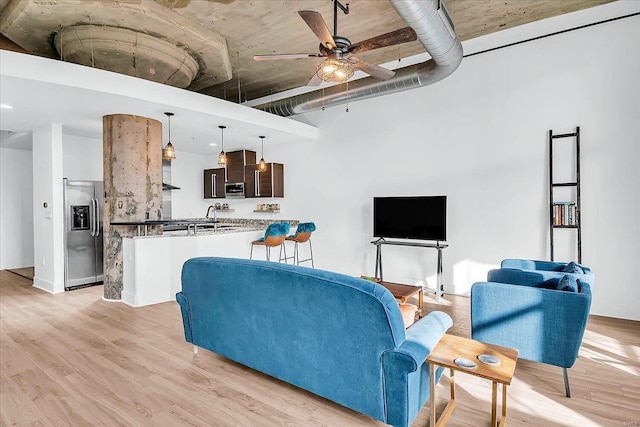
274	236
302	235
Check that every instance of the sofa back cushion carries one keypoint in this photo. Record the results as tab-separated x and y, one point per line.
322	331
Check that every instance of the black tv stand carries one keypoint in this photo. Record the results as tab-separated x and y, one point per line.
436	245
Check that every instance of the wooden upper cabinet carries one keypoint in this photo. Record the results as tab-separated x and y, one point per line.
214	183
264	184
236	161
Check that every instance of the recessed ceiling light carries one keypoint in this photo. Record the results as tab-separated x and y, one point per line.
213	144
6	107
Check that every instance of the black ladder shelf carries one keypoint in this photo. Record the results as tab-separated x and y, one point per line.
563	215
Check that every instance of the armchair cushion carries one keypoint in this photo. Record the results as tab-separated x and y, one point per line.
572	267
568	284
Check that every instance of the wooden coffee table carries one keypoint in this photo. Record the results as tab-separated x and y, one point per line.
451	347
402	292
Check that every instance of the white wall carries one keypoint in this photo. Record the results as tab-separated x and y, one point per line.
187	173
16	209
48	221
480	137
82	158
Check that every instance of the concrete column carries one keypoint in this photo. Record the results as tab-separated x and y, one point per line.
132	185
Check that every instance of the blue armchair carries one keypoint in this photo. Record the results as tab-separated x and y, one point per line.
522	309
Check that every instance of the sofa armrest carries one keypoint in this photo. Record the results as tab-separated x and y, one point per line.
185	308
406	374
423	336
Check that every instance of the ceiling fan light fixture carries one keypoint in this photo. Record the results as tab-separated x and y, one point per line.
168	152
329	68
335	70
222	157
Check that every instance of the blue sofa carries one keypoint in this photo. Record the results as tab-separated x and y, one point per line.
520	309
337	336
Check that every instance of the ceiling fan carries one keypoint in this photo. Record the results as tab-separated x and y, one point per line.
340	62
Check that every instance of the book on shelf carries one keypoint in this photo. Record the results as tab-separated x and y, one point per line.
565	213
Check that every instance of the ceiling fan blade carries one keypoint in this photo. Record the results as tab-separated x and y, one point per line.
316	23
315	80
403	35
276	56
372	69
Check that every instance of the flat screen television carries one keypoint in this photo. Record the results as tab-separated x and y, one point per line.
419	218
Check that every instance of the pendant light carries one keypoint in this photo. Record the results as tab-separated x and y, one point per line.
222	157
262	166
168	152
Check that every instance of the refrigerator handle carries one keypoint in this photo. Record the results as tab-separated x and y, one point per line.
97	217
92	214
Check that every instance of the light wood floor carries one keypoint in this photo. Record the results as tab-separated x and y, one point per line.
72	359
26	272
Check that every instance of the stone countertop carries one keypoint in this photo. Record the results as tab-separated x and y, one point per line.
202	226
249	222
167	222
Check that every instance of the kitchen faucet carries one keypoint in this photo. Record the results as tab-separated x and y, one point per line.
215	218
214	212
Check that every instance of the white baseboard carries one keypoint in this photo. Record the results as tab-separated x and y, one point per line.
45	285
129	299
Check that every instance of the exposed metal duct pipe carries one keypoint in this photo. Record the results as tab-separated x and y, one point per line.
434	28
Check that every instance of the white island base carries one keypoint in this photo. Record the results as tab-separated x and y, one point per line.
152	265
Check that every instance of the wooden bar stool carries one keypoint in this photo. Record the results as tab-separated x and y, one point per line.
274	236
303	234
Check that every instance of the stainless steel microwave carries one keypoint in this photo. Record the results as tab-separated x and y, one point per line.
234	190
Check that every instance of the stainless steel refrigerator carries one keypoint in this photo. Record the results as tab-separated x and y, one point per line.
83	265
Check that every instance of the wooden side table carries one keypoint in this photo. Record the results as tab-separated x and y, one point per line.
451	347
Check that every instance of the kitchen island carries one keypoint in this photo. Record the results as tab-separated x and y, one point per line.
152	264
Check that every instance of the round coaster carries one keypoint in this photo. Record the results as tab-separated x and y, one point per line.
465	363
489	359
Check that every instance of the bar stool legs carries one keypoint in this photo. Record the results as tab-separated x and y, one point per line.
303	234
280	257
267	249
296	254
